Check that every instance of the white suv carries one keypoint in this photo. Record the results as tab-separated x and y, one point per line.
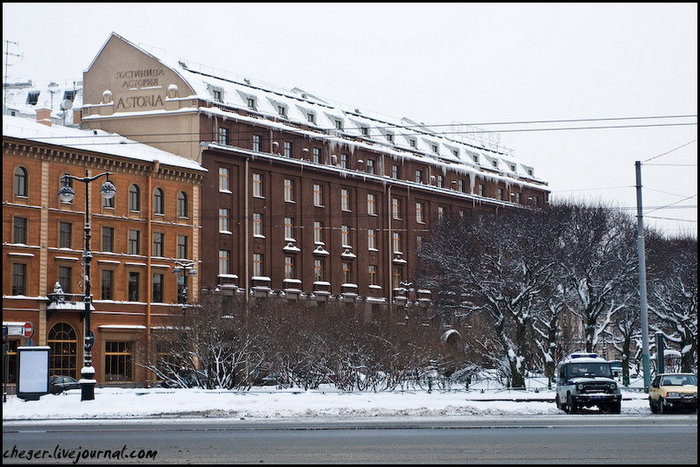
585	380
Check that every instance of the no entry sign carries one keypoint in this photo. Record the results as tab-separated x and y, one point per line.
28	329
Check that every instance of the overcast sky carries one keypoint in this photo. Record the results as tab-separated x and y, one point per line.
441	64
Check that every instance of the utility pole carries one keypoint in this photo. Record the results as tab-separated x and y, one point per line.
642	279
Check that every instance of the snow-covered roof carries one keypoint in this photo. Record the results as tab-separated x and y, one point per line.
293	107
92	140
22	99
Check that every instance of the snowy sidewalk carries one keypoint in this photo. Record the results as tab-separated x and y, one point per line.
272	403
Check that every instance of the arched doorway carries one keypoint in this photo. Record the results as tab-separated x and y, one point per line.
64	346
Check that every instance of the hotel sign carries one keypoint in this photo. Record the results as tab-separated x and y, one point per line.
140	79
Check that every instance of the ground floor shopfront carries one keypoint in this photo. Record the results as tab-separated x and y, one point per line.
122	337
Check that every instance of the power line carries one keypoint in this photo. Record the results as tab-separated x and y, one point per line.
672	204
669	152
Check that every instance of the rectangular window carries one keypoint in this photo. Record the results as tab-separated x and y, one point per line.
223	135
119	361
441	181
482	190
435	148
501	194
365	131
517	198
65	234
318	232
289	269
223	220
372	270
318	195
395	208
288	228
419	176
420	212
134	242
288	190
371	239
158	239
440	212
65	278
371	205
108	239
338	124
256	143
216	94
182	246
390	137
282	110
107	284
224	175
395	171
344	199
345	236
224	262
257	224
318	270
19	278
413	143
157	288
251	103
371	167
347	273
317	155
396	241
287	149
19	232
258	185
311	117
344	162
133	289
460	185
397	274
257	264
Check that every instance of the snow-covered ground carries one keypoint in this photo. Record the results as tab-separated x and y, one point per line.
273	403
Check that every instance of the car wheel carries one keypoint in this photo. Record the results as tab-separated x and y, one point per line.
556	401
571	404
652	406
662	406
615	407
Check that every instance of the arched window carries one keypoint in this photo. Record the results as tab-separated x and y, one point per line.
64	350
182	204
134	198
21	181
158	201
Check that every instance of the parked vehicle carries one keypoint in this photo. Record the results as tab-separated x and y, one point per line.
673	392
60	383
586	380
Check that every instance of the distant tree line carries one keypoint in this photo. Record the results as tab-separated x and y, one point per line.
513	291
539	284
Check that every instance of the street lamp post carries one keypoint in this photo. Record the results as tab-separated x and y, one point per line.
66	194
186	268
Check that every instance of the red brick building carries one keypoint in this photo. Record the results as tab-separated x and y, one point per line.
302	198
136	240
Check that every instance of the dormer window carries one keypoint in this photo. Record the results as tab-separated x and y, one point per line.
311	117
529	172
413	143
282	110
251	103
365	131
390	137
338	124
455	152
512	167
476	159
69	95
217	95
495	163
33	97
435	148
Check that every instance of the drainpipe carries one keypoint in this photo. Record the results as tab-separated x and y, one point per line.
149	253
247	229
390	249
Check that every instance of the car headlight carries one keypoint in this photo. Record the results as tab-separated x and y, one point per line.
673	394
612	386
579	386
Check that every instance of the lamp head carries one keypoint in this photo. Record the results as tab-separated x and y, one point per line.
66	194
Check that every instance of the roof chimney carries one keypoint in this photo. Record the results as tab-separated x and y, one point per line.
43	116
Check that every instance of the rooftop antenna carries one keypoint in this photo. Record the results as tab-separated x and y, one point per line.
7	63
